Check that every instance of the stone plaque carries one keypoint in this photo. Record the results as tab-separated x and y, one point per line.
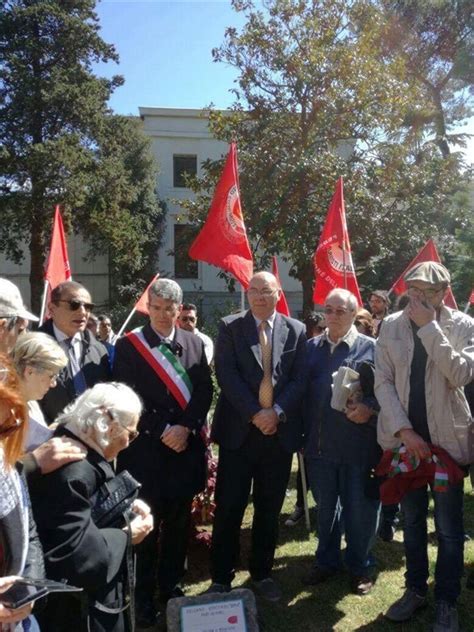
229	612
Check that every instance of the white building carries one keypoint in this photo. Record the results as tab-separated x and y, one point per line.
181	142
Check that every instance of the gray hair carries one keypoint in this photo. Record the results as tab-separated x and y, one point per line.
166	288
39	351
100	406
350	298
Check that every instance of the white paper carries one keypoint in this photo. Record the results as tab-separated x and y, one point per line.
220	616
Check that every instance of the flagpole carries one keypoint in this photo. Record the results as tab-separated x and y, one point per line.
43	303
122	328
242	298
344	264
468	305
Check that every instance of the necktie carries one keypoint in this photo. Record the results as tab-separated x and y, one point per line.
77	375
265	393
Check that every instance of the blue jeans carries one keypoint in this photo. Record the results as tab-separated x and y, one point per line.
448	515
340	488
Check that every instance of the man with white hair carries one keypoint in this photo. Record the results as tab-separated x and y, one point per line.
341	448
167	367
424	359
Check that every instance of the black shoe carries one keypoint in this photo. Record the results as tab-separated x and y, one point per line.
386	531
405	607
318	575
268	589
294	517
146	615
361	585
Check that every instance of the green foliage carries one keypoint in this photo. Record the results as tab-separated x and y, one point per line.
60	143
320	95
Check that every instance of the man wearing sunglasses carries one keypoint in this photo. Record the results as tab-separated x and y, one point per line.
424	358
70	307
341	448
187	320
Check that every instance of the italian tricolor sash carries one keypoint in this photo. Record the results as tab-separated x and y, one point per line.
166	366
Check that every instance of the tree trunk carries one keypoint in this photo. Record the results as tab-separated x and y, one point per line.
306	275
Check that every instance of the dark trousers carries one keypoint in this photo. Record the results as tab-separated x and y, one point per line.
339	489
162	553
448	515
263	461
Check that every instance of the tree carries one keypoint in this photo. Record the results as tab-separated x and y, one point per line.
57	136
435	41
319	96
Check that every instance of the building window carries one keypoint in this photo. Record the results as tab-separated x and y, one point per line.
184	266
181	165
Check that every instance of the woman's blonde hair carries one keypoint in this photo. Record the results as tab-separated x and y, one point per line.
39	351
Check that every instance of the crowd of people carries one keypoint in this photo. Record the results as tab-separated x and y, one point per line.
103	445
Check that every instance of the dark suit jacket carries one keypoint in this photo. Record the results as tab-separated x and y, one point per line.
95	367
162	471
239	373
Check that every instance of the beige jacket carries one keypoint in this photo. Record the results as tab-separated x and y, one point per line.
450	366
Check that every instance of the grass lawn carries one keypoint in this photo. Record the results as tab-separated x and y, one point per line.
331	606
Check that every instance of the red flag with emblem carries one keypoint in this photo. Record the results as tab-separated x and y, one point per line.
429	252
222	240
332	260
282	305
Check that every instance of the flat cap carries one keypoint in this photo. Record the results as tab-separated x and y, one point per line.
429	272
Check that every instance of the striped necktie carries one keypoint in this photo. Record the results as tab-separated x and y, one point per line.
265	393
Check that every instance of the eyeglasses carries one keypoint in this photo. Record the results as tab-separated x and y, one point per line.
338	312
265	293
132	434
74	304
428	293
6	429
188	319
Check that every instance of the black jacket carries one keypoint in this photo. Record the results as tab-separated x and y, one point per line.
239	373
95	367
163	472
74	547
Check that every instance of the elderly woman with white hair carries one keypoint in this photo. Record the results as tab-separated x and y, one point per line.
104	419
38	360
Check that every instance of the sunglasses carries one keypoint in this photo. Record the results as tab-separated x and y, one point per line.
7	429
74	305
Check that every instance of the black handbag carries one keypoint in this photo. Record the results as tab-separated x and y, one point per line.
112	502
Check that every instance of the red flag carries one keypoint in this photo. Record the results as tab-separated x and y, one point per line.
332	260
141	305
282	305
471	298
57	268
429	252
223	238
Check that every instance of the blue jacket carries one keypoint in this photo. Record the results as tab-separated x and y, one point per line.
328	432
